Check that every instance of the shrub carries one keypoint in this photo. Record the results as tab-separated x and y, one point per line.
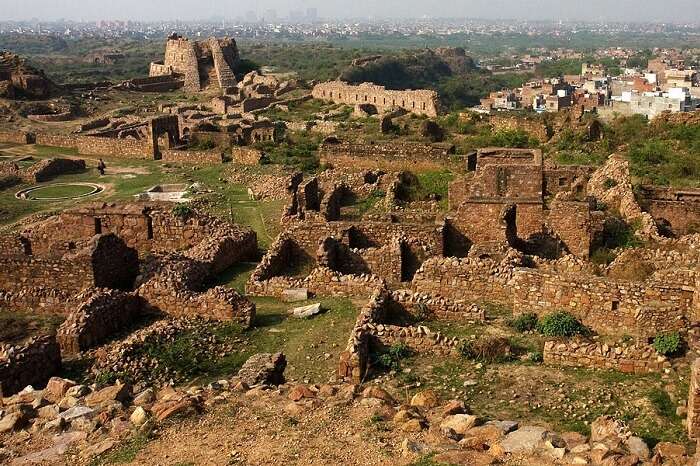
524	322
561	324
392	357
667	344
182	211
487	349
609	183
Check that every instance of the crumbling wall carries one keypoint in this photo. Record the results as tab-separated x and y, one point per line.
47	169
16	137
693	419
613	307
419	102
572	223
535	128
631	359
102	314
195	157
31	363
385	156
467	279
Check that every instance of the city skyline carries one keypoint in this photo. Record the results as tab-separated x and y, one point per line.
154	10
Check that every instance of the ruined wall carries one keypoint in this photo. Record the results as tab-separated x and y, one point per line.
104	146
196	157
102	314
419	102
535	128
631	359
467	279
105	261
385	156
614	307
16	137
693	419
32	363
143	226
682	216
246	156
47	169
572	223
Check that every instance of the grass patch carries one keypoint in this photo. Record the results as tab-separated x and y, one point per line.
126	453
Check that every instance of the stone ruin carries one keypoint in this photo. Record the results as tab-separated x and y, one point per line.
419	102
199	64
105	266
19	79
44	170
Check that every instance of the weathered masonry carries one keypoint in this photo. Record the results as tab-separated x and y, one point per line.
419	102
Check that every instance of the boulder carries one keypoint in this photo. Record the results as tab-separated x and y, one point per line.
454	407
609	430
139	417
108	395
56	389
425	399
377	393
144	398
263	368
76	412
458	423
306	311
300	392
10	422
525	439
638	447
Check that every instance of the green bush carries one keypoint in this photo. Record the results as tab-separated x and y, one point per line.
524	322
667	344
182	211
392	357
561	324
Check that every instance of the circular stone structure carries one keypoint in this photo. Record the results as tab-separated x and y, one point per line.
59	191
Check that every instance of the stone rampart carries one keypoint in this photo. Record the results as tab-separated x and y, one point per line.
419	102
632	359
693	419
31	363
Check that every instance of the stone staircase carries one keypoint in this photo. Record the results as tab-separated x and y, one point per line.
224	73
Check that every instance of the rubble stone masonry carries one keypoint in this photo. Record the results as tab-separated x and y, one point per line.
419	102
607	306
693	419
632	359
102	313
31	363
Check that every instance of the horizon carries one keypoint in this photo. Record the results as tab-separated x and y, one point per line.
622	11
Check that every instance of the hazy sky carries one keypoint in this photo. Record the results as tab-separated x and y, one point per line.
620	10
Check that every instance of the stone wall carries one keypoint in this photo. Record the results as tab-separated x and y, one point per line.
614	307
196	157
385	156
468	279
246	156
16	137
102	314
143	226
105	261
535	128
631	359
32	363
693	419
47	169
101	146
573	224
419	102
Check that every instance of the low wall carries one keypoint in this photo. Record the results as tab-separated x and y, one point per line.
246	156
102	314
93	145
632	359
16	137
385	156
693	419
467	279
193	156
614	307
30	364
